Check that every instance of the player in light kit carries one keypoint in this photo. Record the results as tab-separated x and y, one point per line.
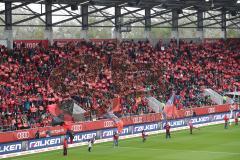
144	136
90	145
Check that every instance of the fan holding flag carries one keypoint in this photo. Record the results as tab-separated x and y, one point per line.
170	110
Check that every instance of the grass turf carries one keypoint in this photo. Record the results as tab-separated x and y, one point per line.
209	143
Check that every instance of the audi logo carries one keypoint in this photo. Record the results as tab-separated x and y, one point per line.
23	135
188	113
108	124
211	110
77	128
137	120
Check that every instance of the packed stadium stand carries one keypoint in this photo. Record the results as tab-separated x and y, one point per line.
28	77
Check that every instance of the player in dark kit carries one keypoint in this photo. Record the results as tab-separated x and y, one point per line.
71	135
115	139
167	127
226	121
236	119
65	146
190	124
191	127
144	136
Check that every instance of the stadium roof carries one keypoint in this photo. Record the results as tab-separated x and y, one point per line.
149	9
205	4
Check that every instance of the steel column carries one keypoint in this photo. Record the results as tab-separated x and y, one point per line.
147	23
224	24
200	31
175	33
84	12
48	34
8	32
117	30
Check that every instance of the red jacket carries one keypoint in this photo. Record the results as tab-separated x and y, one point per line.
65	144
225	118
167	127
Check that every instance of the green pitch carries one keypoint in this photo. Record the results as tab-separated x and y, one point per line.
209	143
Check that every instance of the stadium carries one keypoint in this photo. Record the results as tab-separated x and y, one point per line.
119	79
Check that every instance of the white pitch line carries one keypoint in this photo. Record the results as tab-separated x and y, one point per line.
158	149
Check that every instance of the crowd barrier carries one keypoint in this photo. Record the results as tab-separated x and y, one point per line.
107	123
31	43
62	42
80	137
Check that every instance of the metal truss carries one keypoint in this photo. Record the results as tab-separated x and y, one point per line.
160	10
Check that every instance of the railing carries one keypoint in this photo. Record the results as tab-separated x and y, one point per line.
108	123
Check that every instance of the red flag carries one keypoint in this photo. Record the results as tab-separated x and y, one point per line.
95	104
116	104
67	126
119	126
54	110
170	109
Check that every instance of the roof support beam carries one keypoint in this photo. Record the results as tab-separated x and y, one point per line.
78	16
39	15
91	12
34	13
104	14
116	16
230	19
71	14
152	16
165	19
17	6
214	18
168	21
134	14
196	21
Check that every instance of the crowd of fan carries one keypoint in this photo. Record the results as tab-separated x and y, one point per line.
94	73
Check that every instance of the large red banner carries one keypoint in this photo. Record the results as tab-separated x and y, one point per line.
31	43
205	110
107	123
62	42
